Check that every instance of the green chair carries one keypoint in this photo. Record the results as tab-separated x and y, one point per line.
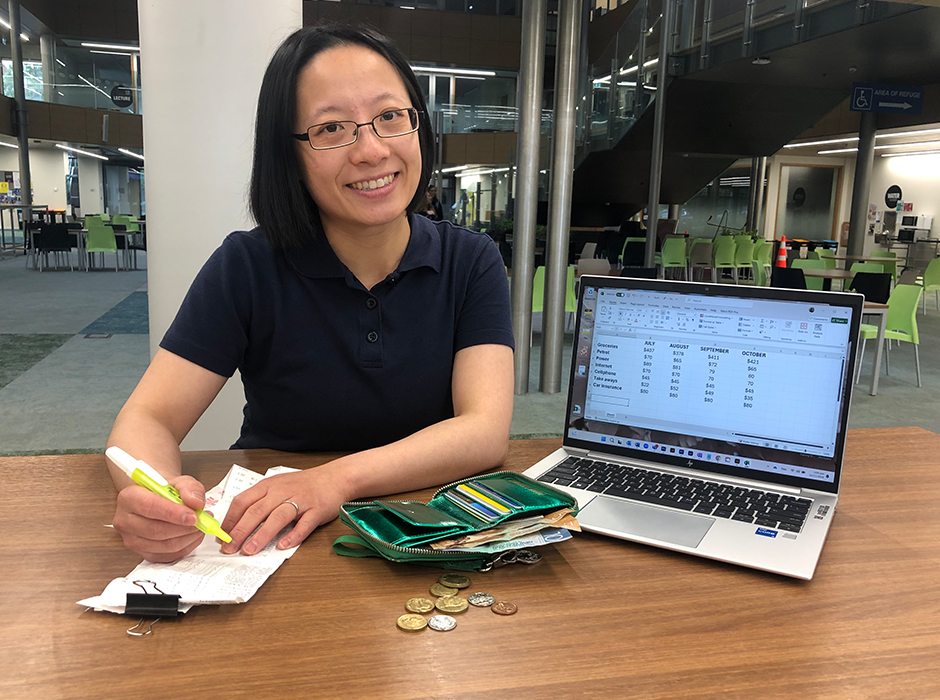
743	255
931	281
100	239
812	255
829	258
674	255
816	283
867	267
763	253
724	250
760	274
901	325
700	256
890	263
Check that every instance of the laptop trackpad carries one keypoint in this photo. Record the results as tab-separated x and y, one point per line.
624	517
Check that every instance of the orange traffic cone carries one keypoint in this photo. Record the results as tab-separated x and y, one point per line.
782	252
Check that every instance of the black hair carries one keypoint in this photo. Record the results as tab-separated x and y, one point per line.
280	202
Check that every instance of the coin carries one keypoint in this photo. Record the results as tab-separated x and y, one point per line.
455	580
503	607
419	605
412	623
451	604
481	600
437	590
442	623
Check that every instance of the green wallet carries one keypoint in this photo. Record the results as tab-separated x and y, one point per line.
403	530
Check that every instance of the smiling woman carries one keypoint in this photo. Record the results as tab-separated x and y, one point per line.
355	325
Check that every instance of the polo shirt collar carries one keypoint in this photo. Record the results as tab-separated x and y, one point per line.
317	260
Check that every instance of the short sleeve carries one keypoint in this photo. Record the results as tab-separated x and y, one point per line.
485	316
212	326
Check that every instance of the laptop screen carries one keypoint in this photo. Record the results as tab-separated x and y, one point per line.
745	381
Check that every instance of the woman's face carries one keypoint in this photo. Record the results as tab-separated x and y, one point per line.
371	182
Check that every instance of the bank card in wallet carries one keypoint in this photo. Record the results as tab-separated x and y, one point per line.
466	525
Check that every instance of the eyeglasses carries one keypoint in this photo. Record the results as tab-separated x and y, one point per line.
387	125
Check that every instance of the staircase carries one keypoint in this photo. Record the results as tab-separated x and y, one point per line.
722	103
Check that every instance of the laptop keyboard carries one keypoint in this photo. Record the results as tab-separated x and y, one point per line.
763	508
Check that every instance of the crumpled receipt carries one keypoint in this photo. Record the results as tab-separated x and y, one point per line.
205	576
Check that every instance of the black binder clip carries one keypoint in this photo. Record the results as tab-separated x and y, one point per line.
156	605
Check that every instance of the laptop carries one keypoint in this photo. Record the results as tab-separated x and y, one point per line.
709	419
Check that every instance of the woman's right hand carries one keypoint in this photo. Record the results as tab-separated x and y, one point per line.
157	529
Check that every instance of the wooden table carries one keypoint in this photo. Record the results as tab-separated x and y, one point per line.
598	618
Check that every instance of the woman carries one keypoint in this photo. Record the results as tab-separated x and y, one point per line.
356	326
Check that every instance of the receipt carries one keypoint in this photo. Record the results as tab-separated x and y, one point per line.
205	576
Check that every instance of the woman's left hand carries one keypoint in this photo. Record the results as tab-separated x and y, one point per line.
316	493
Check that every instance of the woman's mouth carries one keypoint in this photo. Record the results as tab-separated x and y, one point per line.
368	185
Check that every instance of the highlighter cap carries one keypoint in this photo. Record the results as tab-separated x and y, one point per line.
128	464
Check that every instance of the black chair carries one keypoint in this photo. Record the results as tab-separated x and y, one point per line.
789	277
875	286
643	272
53	238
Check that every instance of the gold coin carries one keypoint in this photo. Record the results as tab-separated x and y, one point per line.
438	590
451	604
419	605
502	607
455	580
412	623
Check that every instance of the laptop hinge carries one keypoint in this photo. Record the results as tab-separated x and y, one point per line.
698	474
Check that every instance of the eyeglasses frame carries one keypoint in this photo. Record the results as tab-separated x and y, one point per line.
306	135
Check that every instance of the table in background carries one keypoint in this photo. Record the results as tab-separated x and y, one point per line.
13	227
881	311
598	617
828	275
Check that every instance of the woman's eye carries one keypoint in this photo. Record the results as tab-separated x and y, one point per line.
389	116
331	128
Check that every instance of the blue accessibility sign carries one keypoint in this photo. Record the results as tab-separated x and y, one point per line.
887	99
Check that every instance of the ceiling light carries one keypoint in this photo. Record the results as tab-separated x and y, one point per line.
82	77
60	63
119	47
7	25
8	145
114	53
78	150
884	146
910	153
455	169
130	153
838	150
822	143
452	71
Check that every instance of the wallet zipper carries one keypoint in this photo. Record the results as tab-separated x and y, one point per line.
410	550
549	487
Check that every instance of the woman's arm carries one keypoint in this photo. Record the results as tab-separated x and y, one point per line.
476	438
167	402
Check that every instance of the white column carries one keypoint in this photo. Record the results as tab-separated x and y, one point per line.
201	69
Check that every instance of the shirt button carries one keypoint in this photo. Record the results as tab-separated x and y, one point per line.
372	337
371	303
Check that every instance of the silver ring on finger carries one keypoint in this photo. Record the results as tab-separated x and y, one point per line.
296	507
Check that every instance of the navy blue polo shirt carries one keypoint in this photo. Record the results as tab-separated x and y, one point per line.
328	364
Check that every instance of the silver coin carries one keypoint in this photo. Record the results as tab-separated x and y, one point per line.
481	600
442	623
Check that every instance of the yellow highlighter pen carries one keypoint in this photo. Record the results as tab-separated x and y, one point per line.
148	477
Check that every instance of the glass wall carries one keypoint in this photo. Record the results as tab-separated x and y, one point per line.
807	201
32	78
88	78
722	201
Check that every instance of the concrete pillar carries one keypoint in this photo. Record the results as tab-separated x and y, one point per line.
567	74
531	70
659	120
858	219
20	113
201	69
